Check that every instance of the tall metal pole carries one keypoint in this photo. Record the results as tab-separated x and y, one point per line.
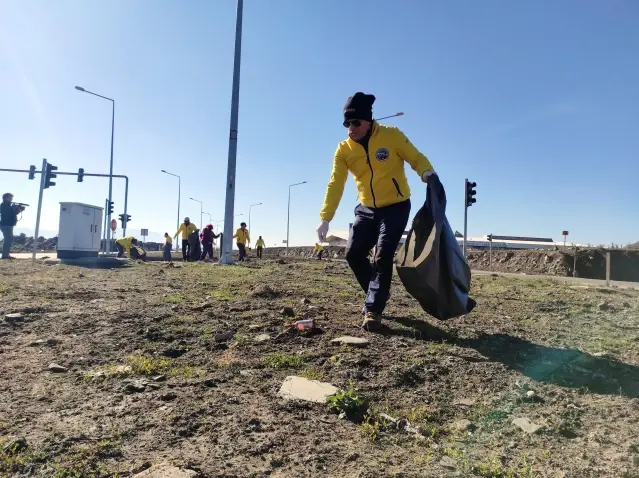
177	245
227	247
288	218
37	226
111	173
250	207
465	215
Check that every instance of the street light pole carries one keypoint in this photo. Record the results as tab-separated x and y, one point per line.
179	196
256	204
391	116
79	88
288	216
227	253
201	213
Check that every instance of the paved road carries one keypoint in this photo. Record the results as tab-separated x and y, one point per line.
574	280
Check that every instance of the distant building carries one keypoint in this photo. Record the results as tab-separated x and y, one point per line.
337	238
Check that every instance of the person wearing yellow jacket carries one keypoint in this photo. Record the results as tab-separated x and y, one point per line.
375	155
186	228
242	239
319	250
259	244
124	244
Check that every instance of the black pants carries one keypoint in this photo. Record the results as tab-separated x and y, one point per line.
319	255
383	227
259	252
166	252
242	249
120	250
207	248
186	250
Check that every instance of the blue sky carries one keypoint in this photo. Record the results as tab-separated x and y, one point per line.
536	101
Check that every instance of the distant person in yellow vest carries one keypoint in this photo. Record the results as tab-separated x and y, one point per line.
124	245
319	250
166	248
186	228
242	239
260	247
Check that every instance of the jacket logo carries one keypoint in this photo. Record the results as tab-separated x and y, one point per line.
382	154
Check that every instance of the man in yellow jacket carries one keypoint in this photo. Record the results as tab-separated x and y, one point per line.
186	228
259	244
374	154
124	244
318	250
242	239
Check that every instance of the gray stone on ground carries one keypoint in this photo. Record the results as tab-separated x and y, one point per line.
263	338
348	340
301	388
463	425
55	368
165	470
526	425
14	318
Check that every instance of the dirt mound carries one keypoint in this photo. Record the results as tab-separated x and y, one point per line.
591	263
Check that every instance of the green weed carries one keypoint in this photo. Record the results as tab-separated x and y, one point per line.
280	360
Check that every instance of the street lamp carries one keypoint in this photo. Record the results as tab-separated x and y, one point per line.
288	217
256	204
179	195
197	200
108	244
391	116
209	215
229	205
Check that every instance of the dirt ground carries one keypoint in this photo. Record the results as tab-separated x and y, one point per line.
172	364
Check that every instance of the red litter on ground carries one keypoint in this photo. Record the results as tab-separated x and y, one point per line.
302	325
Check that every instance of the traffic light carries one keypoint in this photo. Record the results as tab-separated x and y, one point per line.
490	237
124	218
470	192
110	207
49	175
80	175
32	171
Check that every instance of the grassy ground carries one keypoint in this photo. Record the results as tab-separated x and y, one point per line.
163	365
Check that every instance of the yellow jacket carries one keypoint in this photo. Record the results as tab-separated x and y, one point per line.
185	230
379	174
242	236
259	243
126	243
168	240
318	248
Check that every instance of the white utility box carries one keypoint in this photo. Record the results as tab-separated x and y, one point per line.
80	231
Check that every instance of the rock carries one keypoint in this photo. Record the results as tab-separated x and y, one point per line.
526	425
226	336
626	305
138	386
255	326
263	338
248	373
14	318
464	425
15	446
464	402
301	388
165	470
287	312
306	301
167	397
37	343
348	340
159	378
55	368
52	342
173	353
530	393
209	382
601	355
202	306
123	370
604	306
448	462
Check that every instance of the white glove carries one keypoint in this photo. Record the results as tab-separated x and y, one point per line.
322	231
427	175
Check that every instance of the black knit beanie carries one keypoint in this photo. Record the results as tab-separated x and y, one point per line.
359	107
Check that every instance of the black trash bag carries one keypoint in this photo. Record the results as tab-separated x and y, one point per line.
138	253
194	246
430	263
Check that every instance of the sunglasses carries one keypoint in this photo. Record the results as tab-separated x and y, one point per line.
356	123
